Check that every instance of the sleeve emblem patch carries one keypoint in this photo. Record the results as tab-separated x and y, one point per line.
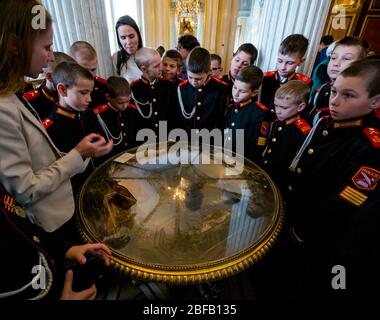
366	178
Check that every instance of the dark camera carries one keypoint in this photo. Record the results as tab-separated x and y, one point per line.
87	274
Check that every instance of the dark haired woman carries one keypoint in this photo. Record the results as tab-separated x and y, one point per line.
129	40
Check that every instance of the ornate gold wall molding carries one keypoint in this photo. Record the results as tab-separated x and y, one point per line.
343	17
220	27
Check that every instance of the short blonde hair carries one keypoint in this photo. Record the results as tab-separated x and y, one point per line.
144	55
17	37
296	90
83	50
58	58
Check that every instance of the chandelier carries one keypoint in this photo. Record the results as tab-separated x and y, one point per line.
187	15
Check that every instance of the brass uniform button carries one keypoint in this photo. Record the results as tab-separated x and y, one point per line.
310	151
274	140
279	129
325	133
35	238
20	212
299	170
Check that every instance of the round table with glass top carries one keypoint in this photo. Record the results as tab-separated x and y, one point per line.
180	215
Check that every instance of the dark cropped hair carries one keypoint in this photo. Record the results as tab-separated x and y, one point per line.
327	40
216	57
354	42
251	75
295	43
188	42
248	48
160	50
68	73
368	70
118	87
296	90
173	54
122	55
198	60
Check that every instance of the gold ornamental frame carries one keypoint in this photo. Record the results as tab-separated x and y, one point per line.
195	273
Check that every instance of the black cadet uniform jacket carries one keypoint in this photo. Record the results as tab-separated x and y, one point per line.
41	101
227	78
98	95
120	126
203	107
177	81
67	128
249	116
319	105
271	82
284	140
21	245
335	176
154	102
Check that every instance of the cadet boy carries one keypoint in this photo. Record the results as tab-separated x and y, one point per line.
171	66
66	125
152	95
337	169
216	66
117	118
85	55
185	44
202	100
290	55
44	98
288	132
244	56
346	51
246	113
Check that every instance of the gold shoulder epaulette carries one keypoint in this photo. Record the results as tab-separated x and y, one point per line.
373	134
100	79
302	77
269	73
47	122
261	106
30	95
302	125
100	109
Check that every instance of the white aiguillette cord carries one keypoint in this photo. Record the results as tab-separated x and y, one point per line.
138	103
298	156
117	140
48	276
184	113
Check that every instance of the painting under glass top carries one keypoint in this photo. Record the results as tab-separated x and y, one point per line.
176	209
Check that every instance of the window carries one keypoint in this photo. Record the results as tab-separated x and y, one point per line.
249	22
